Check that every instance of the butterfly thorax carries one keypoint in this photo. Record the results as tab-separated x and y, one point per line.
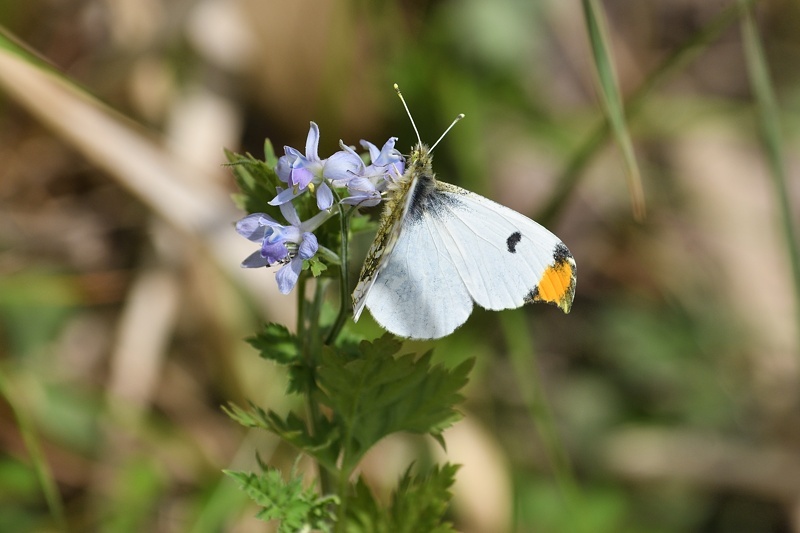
418	175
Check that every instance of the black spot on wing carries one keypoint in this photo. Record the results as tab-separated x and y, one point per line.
512	241
561	254
532	295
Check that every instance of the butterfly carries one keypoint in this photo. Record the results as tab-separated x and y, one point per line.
440	249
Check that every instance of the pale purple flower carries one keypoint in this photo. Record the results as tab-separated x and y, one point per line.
386	161
288	245
309	172
362	192
386	164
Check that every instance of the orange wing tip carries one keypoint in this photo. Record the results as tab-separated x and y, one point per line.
557	284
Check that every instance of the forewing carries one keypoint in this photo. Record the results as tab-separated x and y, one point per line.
504	258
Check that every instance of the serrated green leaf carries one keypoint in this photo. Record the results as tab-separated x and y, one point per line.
421	501
324	445
276	343
288	502
255	418
257	182
269	154
419	504
378	394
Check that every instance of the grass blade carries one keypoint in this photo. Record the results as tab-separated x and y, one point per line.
523	358
42	470
612	101
677	60
769	121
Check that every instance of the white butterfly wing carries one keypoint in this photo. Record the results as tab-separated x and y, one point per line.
456	247
418	292
504	258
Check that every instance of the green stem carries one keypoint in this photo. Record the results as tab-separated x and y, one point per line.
301	310
681	57
314	337
344	277
307	327
529	381
342	489
40	466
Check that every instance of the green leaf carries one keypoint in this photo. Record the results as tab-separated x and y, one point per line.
360	224
296	508
255	418
419	504
276	343
269	154
257	182
316	266
377	394
324	445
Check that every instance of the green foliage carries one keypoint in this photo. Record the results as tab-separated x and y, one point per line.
419	504
542	507
316	266
323	445
295	507
137	490
371	396
378	394
256	180
276	343
371	392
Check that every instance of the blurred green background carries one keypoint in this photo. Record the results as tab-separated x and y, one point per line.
672	387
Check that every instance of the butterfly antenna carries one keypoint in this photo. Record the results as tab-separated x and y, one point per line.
459	117
397	88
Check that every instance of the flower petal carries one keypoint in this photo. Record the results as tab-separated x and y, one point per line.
290	214
255	260
363	192
360	199
284	167
388	154
359	184
342	165
251	227
324	197
288	275
286	195
308	247
312	142
374	153
301	177
273	252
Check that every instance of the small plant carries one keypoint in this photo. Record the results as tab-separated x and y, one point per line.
303	210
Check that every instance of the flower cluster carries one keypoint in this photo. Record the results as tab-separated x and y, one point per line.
291	245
